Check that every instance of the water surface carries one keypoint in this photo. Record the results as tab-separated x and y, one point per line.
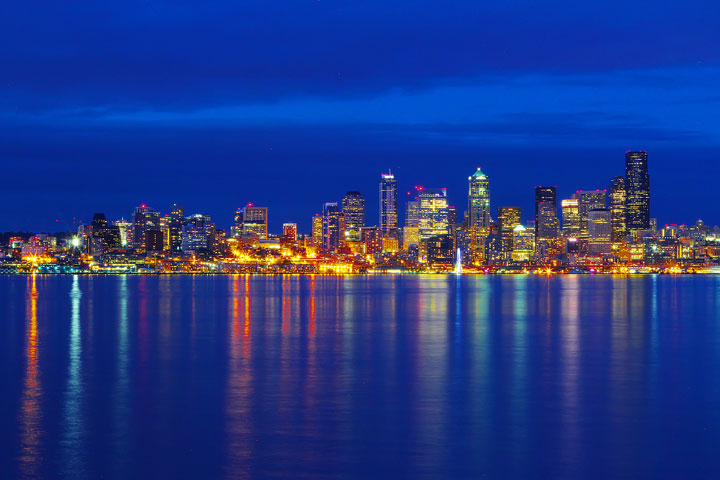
359	377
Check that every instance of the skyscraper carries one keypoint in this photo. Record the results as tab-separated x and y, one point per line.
546	224
433	213
618	211
331	226
388	203
353	208
589	200
546	195
317	230
638	190
599	230
175	224
255	220
571	217
508	219
478	200
145	219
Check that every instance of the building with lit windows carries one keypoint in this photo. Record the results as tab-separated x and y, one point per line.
332	226
523	244
255	221
317	230
599	230
433	213
570	217
638	191
198	233
508	219
175	224
617	200
145	219
546	225
353	209
388	204
589	200
479	200
547	195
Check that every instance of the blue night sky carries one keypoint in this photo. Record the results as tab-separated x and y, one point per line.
105	105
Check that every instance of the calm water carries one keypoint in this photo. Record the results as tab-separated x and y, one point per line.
359	377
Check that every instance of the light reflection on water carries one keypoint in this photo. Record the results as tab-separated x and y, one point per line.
355	377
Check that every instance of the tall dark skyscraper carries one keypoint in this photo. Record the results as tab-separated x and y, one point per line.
478	200
548	196
145	219
331	226
388	203
353	208
618	210
638	190
177	217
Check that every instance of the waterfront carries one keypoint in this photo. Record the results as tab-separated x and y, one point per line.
424	376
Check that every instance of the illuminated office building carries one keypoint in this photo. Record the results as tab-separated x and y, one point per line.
547	195
508	219
332	228
523	244
478	200
546	225
638	191
570	217
124	227
175	224
255	221
599	230
317	230
618	212
290	230
145	219
433	212
198	233
353	209
589	200
388	204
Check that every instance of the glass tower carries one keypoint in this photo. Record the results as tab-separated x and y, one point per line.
478	200
638	190
388	203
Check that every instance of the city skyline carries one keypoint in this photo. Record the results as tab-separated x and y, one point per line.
534	99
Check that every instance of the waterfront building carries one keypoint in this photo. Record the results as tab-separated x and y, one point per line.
317	230
523	244
124	227
175	224
290	231
145	219
198	233
546	225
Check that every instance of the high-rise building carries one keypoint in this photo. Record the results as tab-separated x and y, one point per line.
317	230
255	220
145	219
175	224
331	226
546	225
124	228
638	191
353	209
508	219
109	235
618	211
523	244
589	200
478	200
388	204
571	217
599	230
198	233
433	210
547	195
